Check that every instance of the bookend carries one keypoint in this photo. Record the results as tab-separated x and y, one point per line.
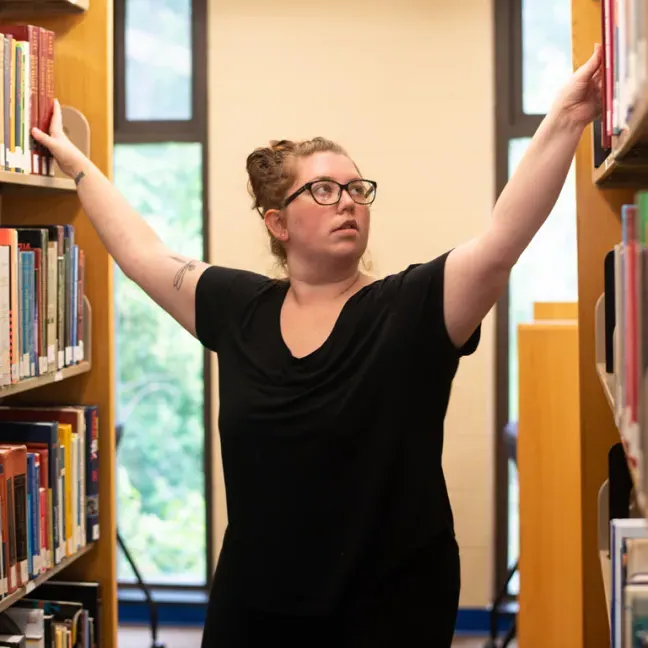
77	128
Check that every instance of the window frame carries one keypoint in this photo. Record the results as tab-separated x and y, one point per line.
159	131
511	122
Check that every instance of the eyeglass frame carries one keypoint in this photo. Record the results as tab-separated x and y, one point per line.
343	187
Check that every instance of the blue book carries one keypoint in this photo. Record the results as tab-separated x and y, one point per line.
27	312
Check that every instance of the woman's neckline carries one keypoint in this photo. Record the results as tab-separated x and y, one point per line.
337	326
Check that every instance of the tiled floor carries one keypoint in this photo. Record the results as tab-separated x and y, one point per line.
180	638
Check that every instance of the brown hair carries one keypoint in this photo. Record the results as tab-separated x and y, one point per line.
271	171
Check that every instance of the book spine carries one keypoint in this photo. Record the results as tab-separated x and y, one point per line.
5	314
36	518
20	494
43	517
61	311
19	110
34	47
74	305
15	308
7	100
24	333
29	485
80	320
92	473
43	124
11	528
32	304
52	292
3	149
50	92
12	105
26	107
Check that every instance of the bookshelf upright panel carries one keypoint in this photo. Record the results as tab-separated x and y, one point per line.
83	80
598	229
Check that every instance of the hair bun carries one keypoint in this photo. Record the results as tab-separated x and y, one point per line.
265	167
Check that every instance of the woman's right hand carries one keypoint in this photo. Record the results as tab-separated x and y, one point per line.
69	157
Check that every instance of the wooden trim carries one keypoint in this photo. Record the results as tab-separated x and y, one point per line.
200	112
510	123
555	310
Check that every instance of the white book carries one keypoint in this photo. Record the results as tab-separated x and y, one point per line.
620	530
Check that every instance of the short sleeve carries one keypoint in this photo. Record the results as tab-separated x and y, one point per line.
422	296
221	296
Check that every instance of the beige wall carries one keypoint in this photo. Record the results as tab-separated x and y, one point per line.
406	87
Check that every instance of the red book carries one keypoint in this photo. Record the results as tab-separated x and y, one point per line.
49	94
606	140
609	65
30	34
43	529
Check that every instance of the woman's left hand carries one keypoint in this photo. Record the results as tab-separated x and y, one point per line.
580	99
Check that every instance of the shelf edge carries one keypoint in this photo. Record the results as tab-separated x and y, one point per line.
21	592
27	384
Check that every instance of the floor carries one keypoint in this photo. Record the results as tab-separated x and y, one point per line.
130	637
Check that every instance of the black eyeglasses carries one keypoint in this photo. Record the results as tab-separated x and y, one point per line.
329	192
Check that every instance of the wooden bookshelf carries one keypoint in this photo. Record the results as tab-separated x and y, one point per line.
600	194
83	55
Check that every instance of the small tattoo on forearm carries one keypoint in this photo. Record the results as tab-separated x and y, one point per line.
187	267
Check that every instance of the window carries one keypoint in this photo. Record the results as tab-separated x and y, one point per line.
533	41
162	377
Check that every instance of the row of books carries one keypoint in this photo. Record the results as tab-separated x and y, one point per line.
624	38
49	488
26	96
57	614
626	329
42	283
629	592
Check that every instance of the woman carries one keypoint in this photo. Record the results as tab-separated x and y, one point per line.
334	387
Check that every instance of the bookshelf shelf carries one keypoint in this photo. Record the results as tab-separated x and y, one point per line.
8	601
30	180
27	384
627	163
14	7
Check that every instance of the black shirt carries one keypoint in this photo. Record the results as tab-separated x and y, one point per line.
332	462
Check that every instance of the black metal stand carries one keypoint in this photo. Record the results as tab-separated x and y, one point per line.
152	606
502	607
